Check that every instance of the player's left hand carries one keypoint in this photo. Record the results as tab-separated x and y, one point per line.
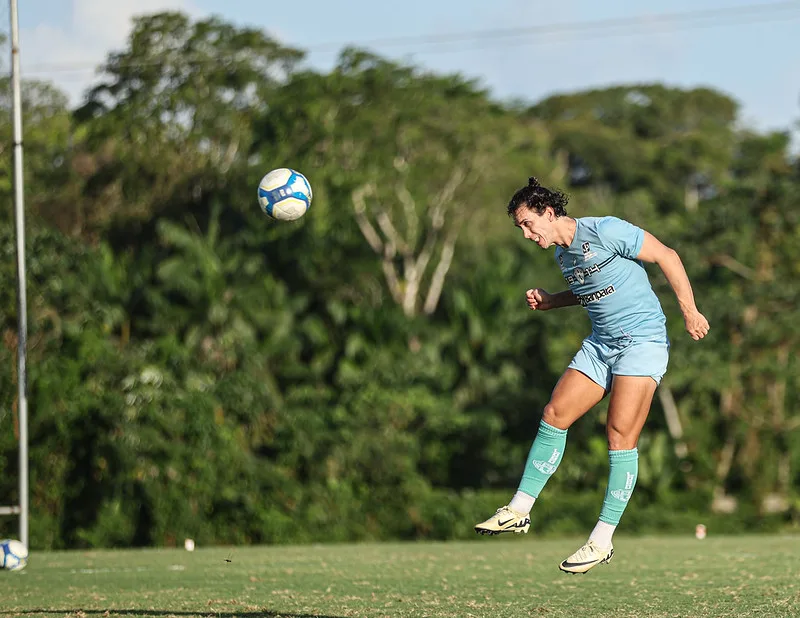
696	324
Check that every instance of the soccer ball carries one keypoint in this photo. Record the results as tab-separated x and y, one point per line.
13	555
284	194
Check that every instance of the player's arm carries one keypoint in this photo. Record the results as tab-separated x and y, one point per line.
539	300
668	260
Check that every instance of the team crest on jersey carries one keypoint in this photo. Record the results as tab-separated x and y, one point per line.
588	254
578	272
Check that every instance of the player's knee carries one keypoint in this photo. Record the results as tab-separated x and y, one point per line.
619	440
554	417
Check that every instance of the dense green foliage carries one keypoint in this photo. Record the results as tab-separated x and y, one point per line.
372	371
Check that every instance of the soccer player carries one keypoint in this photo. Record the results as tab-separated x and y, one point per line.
625	356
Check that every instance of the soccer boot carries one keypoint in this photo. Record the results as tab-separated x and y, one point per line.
504	520
586	557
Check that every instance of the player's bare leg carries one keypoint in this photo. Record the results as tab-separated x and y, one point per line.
574	395
629	406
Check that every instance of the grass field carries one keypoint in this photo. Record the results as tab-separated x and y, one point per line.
501	578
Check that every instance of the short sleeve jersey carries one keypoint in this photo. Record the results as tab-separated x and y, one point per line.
601	269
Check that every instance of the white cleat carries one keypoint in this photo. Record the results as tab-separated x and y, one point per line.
587	557
504	520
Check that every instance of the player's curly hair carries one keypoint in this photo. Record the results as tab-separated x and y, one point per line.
537	198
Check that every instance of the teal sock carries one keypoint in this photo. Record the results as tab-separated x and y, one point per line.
623	470
543	458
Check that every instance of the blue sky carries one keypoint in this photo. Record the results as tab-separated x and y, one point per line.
758	63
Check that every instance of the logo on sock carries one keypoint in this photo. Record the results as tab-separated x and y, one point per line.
624	495
549	466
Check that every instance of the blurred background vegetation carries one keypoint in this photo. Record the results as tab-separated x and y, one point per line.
372	371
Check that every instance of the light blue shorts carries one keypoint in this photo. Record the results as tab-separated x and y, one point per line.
600	361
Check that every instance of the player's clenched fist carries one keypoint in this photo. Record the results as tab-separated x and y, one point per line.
696	324
538	299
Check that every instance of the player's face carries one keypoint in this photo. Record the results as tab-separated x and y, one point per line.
535	226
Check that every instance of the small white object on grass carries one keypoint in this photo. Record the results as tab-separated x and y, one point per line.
700	531
188	544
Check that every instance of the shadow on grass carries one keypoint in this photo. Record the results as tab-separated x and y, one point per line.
145	613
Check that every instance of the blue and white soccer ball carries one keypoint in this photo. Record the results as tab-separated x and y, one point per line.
13	555
284	194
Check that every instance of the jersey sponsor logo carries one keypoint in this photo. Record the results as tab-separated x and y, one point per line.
585	299
581	274
588	254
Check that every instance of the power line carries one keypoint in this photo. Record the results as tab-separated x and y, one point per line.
643	22
529	35
610	33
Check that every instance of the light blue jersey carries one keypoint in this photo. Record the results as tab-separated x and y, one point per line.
601	269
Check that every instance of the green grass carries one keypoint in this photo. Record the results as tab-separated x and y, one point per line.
501	578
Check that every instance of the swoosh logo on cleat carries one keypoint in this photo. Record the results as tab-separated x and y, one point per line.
572	565
503	523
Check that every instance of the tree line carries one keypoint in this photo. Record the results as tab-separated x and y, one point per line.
371	371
